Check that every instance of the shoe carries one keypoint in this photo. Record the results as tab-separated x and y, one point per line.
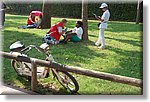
97	44
101	47
19	27
61	41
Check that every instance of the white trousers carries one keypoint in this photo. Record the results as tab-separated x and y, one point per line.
101	37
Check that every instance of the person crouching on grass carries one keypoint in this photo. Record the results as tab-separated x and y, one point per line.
103	25
55	32
74	35
32	22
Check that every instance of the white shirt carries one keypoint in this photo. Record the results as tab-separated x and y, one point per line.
78	31
105	16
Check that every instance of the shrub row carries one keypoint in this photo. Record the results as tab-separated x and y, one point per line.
119	11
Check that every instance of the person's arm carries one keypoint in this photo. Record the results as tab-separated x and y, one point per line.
31	19
60	30
103	18
74	30
99	18
48	32
38	23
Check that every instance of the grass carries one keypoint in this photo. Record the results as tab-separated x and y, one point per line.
122	56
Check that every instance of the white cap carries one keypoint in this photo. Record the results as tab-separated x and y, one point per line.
103	5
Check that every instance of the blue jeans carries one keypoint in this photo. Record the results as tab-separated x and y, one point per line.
49	40
29	26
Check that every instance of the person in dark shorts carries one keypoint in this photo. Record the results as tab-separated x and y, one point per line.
74	35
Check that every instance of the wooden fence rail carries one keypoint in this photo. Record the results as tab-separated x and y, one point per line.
77	70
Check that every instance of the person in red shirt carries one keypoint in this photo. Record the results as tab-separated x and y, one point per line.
34	20
55	32
32	17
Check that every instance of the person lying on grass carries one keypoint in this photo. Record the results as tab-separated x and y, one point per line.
33	21
74	35
55	32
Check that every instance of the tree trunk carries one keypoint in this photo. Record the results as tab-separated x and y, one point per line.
138	12
85	19
46	19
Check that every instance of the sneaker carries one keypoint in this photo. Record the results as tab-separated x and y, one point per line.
19	27
101	47
97	44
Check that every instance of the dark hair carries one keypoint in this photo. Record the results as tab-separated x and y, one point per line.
80	23
40	16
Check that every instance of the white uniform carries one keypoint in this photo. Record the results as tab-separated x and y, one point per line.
105	16
102	27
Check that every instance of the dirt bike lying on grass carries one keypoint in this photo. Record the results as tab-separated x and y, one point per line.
24	68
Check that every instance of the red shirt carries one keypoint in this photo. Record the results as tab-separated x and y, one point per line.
37	13
54	30
29	20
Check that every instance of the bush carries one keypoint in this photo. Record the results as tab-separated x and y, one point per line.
119	11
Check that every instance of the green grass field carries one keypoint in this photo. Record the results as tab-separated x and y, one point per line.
122	56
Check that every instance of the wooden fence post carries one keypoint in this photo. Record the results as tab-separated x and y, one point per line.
33	75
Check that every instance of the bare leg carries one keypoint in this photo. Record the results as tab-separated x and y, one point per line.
68	36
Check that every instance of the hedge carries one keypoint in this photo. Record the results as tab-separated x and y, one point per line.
119	11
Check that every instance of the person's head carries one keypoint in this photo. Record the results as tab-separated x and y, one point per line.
79	24
64	21
104	7
32	15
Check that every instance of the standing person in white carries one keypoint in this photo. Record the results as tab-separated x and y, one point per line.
103	25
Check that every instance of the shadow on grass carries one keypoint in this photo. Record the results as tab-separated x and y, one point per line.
93	35
13	36
71	53
131	42
131	66
76	53
49	89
